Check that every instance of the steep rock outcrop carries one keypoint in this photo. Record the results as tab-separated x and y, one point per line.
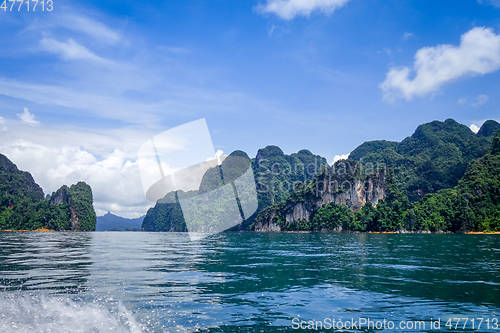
344	184
23	207
60	197
79	199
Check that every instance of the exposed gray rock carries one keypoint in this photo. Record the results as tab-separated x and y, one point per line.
352	189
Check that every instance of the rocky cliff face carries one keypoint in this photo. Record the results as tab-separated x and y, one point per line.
60	197
347	186
79	199
357	194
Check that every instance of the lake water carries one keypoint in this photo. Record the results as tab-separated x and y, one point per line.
246	282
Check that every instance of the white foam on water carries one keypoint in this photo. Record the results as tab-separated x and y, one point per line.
38	313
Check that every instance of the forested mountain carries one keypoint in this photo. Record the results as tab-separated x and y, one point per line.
472	205
17	186
432	160
275	175
435	157
111	222
22	206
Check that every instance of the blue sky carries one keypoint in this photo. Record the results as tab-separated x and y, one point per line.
98	78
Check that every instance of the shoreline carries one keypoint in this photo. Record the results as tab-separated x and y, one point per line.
381	232
299	232
38	230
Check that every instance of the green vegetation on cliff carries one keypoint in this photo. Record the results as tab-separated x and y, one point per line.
22	206
275	175
334	185
454	172
164	216
17	186
443	177
435	157
474	204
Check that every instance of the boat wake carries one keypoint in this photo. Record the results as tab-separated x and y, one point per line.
41	313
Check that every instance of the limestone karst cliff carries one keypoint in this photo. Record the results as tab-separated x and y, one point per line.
23	207
346	183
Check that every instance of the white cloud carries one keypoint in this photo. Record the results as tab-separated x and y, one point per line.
407	35
3	128
289	9
480	100
69	50
28	117
340	157
115	181
462	101
478	53
104	95
66	19
99	142
88	26
474	128
105	159
218	155
100	104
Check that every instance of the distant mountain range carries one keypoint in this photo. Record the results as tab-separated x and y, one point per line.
111	222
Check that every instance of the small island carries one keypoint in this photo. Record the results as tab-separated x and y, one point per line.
24	208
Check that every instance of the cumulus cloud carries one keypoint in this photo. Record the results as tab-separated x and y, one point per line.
462	101
69	50
478	53
28	117
480	100
106	160
218	154
115	181
474	128
289	9
340	157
